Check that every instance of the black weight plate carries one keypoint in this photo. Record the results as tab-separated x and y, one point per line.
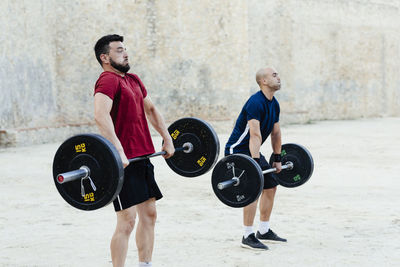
303	165
251	181
106	171
205	147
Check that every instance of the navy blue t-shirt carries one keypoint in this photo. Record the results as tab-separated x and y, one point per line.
257	107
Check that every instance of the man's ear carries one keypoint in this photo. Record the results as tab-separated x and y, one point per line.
265	80
104	58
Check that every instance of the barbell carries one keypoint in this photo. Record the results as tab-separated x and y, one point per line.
237	179
89	174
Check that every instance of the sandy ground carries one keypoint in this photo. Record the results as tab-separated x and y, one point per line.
347	214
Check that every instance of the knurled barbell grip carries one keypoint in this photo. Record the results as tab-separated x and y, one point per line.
187	148
288	165
85	171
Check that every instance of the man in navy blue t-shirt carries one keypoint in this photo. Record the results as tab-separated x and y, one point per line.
258	119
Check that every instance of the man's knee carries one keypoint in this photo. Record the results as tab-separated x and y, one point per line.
126	224
150	215
147	212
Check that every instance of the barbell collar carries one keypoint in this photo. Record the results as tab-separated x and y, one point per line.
187	147
80	173
228	183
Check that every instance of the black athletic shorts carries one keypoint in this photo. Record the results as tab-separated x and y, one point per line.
270	180
139	185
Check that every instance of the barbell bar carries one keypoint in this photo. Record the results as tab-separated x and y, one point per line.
235	181
84	171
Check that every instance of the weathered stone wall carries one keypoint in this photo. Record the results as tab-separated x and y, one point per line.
27	64
182	50
337	59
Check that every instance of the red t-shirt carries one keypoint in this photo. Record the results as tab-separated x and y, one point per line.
127	111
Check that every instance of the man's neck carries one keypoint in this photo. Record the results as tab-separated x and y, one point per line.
268	92
112	69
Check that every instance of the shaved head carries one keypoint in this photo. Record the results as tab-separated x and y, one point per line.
268	79
263	73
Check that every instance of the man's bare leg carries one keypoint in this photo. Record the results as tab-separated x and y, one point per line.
249	212
267	203
249	240
145	230
119	242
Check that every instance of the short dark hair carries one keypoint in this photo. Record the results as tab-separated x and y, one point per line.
103	45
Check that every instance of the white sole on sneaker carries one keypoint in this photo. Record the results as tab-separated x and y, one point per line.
248	247
272	241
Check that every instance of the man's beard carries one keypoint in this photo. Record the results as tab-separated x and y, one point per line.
121	68
275	87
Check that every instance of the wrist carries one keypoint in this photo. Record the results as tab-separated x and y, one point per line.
257	160
167	138
277	158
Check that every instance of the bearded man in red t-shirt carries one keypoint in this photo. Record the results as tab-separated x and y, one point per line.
121	106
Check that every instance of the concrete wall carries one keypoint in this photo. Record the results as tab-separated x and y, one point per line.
27	64
337	59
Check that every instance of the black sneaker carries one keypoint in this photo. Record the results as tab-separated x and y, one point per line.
252	242
270	236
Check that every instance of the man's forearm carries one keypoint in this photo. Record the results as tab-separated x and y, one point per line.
254	146
276	142
158	123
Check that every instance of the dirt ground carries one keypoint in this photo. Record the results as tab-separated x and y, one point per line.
348	213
